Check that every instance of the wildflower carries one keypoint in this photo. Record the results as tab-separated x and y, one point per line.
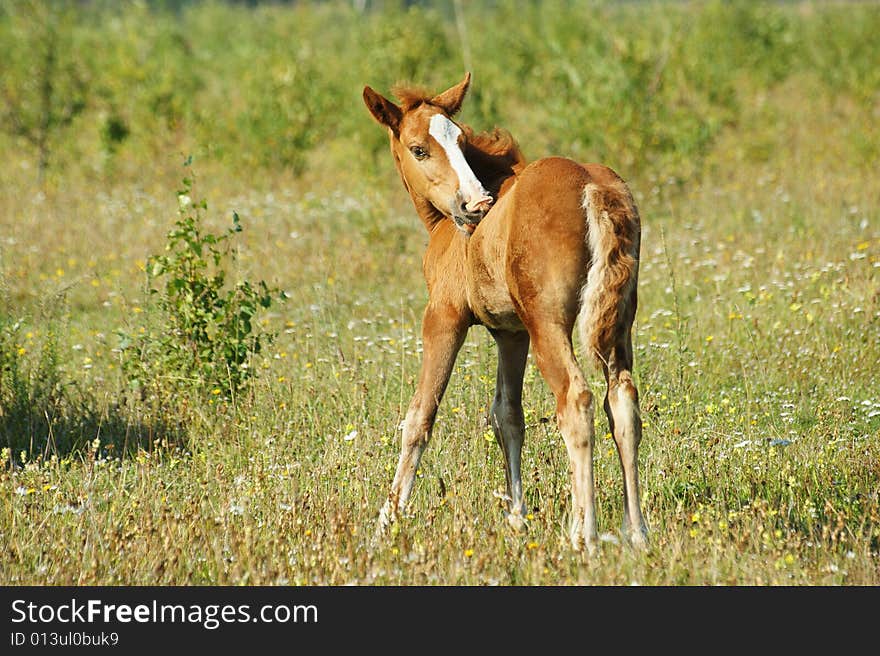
468	553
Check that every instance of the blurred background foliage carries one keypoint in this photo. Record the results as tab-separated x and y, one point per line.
647	87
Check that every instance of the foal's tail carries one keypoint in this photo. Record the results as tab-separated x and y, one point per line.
608	299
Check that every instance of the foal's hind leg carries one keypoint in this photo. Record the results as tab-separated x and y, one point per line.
508	422
622	409
574	412
443	332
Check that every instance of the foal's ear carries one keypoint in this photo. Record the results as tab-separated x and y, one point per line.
383	110
451	99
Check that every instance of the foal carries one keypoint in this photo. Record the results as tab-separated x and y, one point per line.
527	251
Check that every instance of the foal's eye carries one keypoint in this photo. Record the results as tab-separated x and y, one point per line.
419	152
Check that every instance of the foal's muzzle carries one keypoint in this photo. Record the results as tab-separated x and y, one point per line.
468	213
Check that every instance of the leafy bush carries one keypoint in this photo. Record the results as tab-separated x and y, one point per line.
204	333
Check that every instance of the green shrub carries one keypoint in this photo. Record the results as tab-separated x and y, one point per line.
203	332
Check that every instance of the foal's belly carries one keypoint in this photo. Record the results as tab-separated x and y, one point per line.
488	292
492	306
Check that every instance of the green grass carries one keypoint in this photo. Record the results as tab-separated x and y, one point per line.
748	134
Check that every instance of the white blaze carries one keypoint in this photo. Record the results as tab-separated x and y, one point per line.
446	133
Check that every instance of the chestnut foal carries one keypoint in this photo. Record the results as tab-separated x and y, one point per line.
526	250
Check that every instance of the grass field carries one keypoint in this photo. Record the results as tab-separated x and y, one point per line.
749	135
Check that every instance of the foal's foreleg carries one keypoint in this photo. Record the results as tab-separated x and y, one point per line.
508	422
442	337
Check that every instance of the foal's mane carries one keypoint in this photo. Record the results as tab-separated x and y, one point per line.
494	156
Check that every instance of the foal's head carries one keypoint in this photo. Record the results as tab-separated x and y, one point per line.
428	148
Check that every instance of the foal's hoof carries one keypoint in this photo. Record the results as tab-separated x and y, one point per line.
582	545
516	521
387	517
581	542
638	540
379	534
